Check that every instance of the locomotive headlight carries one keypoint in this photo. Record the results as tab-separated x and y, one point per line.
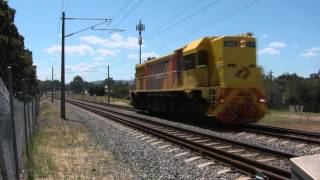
262	100
242	43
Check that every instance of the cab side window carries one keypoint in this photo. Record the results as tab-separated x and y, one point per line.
202	58
189	61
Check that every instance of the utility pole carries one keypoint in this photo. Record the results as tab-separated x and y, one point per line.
102	21
270	74
46	85
108	90
140	27
52	84
62	111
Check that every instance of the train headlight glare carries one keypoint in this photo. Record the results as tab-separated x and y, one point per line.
262	100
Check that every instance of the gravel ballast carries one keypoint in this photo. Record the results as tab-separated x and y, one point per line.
298	148
147	156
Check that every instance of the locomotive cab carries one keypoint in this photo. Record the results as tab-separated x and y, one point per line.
235	62
237	80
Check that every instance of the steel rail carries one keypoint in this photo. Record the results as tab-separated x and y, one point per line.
298	135
247	145
242	163
106	104
304	136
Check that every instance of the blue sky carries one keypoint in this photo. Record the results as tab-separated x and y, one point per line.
287	32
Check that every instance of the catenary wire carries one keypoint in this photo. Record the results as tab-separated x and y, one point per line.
130	11
184	19
173	19
202	26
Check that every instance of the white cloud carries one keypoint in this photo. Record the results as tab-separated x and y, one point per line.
265	36
115	41
80	50
82	66
314	49
269	50
92	40
99	58
106	52
143	55
133	56
273	48
311	52
277	44
53	49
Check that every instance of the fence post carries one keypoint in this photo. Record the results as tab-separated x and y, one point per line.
29	125
33	116
13	125
25	129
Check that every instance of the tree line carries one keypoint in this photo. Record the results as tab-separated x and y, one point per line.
291	89
13	53
282	91
118	89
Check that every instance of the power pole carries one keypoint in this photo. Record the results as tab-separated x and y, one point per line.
46	85
62	111
108	90
103	21
140	27
270	74
52	85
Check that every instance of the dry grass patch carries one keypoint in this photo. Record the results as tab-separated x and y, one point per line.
300	121
68	150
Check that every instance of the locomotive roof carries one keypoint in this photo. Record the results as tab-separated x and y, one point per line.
192	46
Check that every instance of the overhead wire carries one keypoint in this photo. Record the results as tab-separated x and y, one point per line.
185	18
123	8
84	29
62	9
117	14
205	25
174	18
130	11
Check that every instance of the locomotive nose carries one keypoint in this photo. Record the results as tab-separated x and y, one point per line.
241	110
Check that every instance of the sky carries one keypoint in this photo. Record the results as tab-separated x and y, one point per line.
287	32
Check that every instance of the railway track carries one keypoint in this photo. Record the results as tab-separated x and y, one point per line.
247	158
287	134
304	136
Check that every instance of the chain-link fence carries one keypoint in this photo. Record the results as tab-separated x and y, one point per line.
17	124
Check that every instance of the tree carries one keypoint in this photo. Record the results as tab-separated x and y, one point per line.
13	53
96	90
292	89
118	89
77	85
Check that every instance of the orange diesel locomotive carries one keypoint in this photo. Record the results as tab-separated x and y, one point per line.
213	76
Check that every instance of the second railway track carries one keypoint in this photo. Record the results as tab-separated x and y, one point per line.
287	134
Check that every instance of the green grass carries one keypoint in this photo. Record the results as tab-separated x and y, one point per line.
104	99
50	114
41	163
